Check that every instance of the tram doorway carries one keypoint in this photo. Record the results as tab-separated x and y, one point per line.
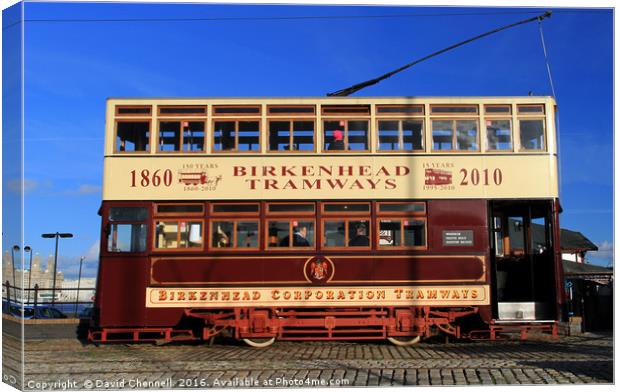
522	259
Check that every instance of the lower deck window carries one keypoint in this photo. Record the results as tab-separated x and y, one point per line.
345	233
234	234
290	234
127	237
178	234
402	233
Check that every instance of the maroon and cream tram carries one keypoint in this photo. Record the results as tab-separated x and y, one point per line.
328	218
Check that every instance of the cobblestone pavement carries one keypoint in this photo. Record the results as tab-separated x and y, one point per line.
71	364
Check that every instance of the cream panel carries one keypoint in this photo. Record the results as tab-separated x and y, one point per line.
313	296
329	177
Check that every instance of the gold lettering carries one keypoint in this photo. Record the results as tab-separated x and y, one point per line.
235	296
431	294
298	295
398	293
256	295
214	295
319	295
287	295
380	294
192	295
341	295
203	295
330	294
246	296
420	294
370	294
162	295
226	296
275	294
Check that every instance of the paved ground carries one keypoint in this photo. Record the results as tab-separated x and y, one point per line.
69	364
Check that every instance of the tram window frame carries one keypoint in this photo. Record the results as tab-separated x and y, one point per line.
233	213
157	212
156	224
487	122
149	138
488	113
344	128
233	113
292	111
268	210
118	108
235	149
401	135
234	245
291	224
455	112
180	114
379	212
543	146
347	229
345	110
526	112
392	110
181	135
402	220
141	219
291	134
454	133
348	213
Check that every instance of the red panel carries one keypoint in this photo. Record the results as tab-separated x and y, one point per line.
356	269
458	215
122	287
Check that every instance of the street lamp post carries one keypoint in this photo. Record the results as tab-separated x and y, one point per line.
14	249
56	235
77	298
29	250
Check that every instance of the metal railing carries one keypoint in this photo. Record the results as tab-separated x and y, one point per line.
15	295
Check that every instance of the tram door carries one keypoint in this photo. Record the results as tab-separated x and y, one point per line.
522	259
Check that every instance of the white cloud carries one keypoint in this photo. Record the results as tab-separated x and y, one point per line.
17	184
604	253
92	254
87	189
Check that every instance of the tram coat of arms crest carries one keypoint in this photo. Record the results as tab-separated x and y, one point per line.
318	269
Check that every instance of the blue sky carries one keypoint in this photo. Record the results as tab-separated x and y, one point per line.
71	67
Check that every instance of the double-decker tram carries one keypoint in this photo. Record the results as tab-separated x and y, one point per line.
393	218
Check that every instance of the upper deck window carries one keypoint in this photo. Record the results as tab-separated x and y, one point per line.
499	135
531	109
190	135
346	135
133	136
291	135
336	110
532	134
408	110
240	136
453	135
182	110
492	110
454	109
133	110
401	135
226	110
281	110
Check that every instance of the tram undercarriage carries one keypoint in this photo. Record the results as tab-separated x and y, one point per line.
260	327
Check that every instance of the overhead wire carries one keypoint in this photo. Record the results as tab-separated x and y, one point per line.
275	18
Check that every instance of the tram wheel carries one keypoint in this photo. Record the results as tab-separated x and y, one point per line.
259	342
400	341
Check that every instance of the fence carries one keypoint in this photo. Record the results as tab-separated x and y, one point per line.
33	296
